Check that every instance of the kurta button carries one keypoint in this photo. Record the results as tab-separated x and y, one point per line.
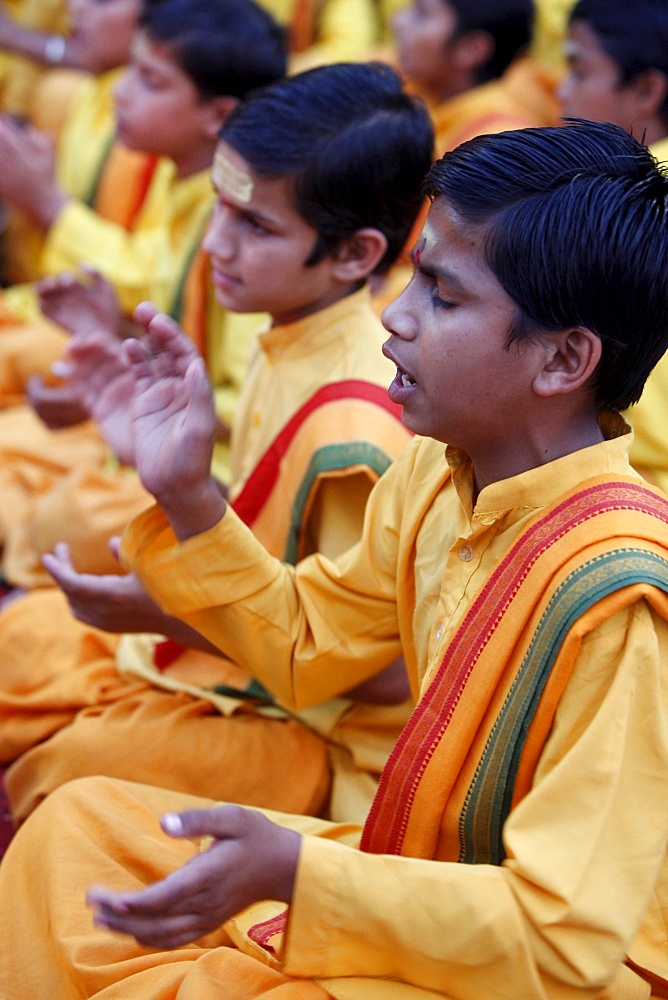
466	553
439	632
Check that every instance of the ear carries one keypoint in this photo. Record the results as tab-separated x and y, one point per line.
358	255
572	357
215	111
651	88
472	50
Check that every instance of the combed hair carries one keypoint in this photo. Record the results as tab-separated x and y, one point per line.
354	144
509	22
577	234
226	47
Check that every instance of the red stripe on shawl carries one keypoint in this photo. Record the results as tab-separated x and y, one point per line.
386	824
263	478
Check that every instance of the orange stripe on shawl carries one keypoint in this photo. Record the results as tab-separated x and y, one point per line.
425	784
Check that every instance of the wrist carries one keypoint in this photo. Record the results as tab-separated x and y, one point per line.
195	512
45	211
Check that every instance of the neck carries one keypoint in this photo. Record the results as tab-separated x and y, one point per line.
195	160
336	294
652	130
530	451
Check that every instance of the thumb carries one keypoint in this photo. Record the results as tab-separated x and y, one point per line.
220	822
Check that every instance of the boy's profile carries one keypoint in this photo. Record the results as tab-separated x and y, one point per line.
617	67
192	60
468	59
317	182
517	844
617	71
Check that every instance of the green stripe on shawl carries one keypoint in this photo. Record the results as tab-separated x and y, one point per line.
328	459
489	798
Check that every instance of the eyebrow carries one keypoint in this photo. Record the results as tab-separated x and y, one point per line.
251	212
435	271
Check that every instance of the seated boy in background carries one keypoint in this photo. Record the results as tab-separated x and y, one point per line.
516	847
617	55
65	149
192	61
318	184
466	58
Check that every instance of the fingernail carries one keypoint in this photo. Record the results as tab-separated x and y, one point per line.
171	823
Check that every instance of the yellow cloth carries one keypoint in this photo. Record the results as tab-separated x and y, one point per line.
19	76
146	260
523	97
649	416
585	876
42	482
78	110
557	917
256	758
327	31
65	486
550	26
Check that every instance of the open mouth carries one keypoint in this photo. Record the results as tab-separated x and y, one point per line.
404	378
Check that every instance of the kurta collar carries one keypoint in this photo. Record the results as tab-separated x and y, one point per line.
315	331
543	485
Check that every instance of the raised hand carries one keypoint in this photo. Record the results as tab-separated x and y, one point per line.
57	406
116	603
81	306
250	859
98	373
27	179
174	423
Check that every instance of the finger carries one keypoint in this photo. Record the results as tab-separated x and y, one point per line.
144	313
59	565
114	545
222	822
34	384
164	334
178	893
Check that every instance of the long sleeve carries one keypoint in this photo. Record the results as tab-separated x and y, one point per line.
584	851
147	262
308	634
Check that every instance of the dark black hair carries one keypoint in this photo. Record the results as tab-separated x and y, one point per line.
355	145
226	47
633	33
577	235
509	22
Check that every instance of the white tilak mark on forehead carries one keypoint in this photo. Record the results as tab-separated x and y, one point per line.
230	180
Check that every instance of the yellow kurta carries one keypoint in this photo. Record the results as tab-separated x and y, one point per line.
649	416
326	32
51	489
584	880
549	34
78	110
256	757
524	97
18	75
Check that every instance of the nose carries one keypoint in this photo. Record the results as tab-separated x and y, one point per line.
219	237
398	317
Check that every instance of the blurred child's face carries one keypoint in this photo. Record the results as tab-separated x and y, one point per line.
592	87
425	35
456	381
158	107
258	244
102	31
